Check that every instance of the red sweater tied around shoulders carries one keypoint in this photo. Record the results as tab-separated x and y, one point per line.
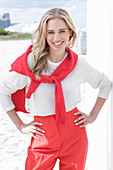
62	71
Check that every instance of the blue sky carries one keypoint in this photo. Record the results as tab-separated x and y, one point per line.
36	3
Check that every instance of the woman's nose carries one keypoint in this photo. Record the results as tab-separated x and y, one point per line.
56	37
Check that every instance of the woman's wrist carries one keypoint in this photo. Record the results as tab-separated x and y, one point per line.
15	119
94	116
20	126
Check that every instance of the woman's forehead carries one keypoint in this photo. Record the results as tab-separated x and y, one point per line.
56	23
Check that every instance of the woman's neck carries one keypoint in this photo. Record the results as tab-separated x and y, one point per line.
57	56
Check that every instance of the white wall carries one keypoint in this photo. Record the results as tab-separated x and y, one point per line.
110	121
98	26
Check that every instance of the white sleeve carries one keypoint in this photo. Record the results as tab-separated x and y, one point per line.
10	83
97	79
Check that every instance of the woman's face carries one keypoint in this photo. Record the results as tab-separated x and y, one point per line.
58	34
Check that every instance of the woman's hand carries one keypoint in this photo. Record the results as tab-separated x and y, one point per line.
84	119
32	129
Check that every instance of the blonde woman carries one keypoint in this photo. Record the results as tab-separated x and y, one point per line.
45	81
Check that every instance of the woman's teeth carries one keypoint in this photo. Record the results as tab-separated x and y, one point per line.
58	43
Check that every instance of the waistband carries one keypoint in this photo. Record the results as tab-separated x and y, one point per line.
71	111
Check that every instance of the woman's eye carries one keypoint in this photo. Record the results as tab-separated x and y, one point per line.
51	32
62	31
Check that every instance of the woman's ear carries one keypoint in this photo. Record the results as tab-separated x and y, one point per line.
70	32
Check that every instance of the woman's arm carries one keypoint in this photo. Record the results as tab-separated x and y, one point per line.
97	107
99	80
15	118
87	119
30	128
9	84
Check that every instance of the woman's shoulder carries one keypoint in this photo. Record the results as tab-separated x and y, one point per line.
82	60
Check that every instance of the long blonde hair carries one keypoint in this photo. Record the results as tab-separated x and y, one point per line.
40	48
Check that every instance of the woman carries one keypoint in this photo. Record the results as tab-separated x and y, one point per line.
50	75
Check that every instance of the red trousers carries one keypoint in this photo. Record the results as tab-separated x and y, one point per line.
67	142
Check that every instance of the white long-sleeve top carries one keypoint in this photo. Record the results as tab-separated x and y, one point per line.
42	101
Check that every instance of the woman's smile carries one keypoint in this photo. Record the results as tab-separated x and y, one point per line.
57	44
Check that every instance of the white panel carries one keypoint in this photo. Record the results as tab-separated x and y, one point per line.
98	55
110	122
